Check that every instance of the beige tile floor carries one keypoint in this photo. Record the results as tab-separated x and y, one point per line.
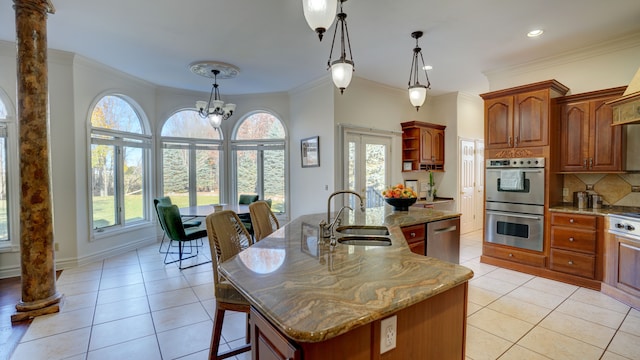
135	307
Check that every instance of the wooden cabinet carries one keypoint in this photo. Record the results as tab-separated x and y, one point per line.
431	329
588	142
575	245
622	279
519	117
423	145
414	235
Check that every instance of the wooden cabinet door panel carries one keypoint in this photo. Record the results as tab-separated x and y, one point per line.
438	147
531	119
427	139
606	141
574	132
499	123
628	264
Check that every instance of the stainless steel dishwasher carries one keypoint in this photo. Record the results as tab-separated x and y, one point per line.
443	240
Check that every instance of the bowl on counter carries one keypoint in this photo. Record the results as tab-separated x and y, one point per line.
400	204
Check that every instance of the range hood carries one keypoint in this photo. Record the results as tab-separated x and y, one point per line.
626	109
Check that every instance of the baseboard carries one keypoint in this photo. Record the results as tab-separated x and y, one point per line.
67	263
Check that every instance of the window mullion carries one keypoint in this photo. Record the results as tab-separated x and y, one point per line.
193	190
119	185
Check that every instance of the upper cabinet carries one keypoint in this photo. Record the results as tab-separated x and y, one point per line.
519	117
422	146
588	142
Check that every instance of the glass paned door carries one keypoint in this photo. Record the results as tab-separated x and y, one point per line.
367	169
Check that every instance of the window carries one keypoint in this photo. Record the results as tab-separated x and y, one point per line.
4	193
191	160
259	159
119	165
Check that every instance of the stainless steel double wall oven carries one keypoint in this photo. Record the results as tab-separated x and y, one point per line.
515	202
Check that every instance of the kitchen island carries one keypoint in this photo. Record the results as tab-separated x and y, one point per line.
313	300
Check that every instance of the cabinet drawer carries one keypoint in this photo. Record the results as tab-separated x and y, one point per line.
514	255
573	263
586	221
413	233
417	247
573	239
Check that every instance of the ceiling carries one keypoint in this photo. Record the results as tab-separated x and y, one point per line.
271	43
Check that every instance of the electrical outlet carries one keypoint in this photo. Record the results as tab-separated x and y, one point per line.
388	333
565	192
56	247
424	186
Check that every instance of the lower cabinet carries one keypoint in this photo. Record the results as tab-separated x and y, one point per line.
414	234
575	245
622	279
431	329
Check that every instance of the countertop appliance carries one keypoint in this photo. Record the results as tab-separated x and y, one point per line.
514	204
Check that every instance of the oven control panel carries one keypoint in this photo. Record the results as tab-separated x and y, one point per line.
516	163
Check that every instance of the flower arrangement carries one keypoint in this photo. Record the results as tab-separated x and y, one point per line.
399	191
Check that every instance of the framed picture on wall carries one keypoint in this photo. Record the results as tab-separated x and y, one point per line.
413	184
310	150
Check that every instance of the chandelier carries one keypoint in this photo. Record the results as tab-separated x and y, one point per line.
341	69
215	110
417	91
319	14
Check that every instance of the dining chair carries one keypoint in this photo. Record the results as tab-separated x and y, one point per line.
171	221
263	220
227	237
165	200
247	199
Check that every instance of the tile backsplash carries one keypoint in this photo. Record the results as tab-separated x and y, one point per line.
615	189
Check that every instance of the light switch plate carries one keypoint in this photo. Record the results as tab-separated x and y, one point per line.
388	333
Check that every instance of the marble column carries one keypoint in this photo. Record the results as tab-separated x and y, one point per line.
39	294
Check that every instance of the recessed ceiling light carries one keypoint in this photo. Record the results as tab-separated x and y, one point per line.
535	33
427	67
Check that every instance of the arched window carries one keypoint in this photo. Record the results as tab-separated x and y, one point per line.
120	150
259	148
6	215
191	160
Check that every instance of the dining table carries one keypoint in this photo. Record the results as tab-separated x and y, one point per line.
205	210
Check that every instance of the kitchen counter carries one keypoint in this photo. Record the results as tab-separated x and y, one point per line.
605	210
311	292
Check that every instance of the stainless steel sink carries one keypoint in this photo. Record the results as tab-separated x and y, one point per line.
363	230
364	240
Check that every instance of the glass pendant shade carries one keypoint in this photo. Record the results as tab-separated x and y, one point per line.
215	120
341	73
417	91
319	14
417	95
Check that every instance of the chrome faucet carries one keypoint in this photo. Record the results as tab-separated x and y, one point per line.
326	228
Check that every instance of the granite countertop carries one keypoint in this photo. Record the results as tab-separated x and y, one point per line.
313	292
605	210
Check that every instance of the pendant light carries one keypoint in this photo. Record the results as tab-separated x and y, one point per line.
417	91
215	110
319	14
341	69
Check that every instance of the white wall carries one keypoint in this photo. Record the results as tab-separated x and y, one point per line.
312	113
601	66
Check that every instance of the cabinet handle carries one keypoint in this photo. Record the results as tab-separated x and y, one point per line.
570	239
584	163
570	262
517	141
413	234
510	255
571	221
509	142
591	163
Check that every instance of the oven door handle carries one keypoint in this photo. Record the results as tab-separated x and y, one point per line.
525	216
531	171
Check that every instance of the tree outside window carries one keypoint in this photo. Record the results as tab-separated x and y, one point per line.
119	165
191	160
259	155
